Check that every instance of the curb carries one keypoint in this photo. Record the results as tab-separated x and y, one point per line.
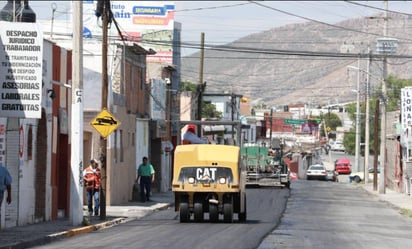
87	229
103	225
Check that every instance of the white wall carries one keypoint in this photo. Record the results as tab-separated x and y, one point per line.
27	190
142	140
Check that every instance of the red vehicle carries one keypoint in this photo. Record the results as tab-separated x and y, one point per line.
343	166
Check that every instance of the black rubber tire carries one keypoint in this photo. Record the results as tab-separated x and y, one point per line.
198	212
184	212
228	212
357	179
243	215
213	213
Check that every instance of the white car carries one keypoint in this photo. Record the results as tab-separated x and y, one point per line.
359	176
316	171
337	146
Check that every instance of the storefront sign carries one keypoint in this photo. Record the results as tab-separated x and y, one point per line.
21	56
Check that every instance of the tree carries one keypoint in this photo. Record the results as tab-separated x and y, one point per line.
394	86
332	121
186	86
208	109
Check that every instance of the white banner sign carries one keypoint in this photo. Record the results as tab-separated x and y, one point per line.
21	57
406	107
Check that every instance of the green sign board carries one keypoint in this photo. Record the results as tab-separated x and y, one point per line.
299	121
295	121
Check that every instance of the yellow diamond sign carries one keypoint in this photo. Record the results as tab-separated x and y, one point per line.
105	123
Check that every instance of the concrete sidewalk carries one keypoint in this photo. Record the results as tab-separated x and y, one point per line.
400	201
46	232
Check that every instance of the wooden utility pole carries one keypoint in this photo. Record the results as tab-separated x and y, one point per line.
271	124
232	108
103	141
375	147
382	166
366	168
168	110
200	87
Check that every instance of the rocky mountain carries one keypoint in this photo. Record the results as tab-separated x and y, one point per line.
305	63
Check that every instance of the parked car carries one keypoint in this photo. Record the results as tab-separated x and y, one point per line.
359	176
316	171
343	166
337	146
332	175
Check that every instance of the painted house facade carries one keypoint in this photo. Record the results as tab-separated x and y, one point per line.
37	150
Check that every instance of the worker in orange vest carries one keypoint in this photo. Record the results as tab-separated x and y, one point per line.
91	177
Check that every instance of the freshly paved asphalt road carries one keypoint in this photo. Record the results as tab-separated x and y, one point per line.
328	215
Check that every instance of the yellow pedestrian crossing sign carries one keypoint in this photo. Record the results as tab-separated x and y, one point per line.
105	123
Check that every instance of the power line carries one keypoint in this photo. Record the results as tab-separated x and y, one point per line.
247	50
376	8
298	70
213	7
264	58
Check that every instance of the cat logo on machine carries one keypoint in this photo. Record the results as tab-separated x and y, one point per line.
105	123
206	173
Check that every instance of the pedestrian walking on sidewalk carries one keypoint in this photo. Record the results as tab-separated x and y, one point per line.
5	185
145	175
91	176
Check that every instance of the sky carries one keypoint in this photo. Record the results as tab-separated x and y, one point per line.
223	22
